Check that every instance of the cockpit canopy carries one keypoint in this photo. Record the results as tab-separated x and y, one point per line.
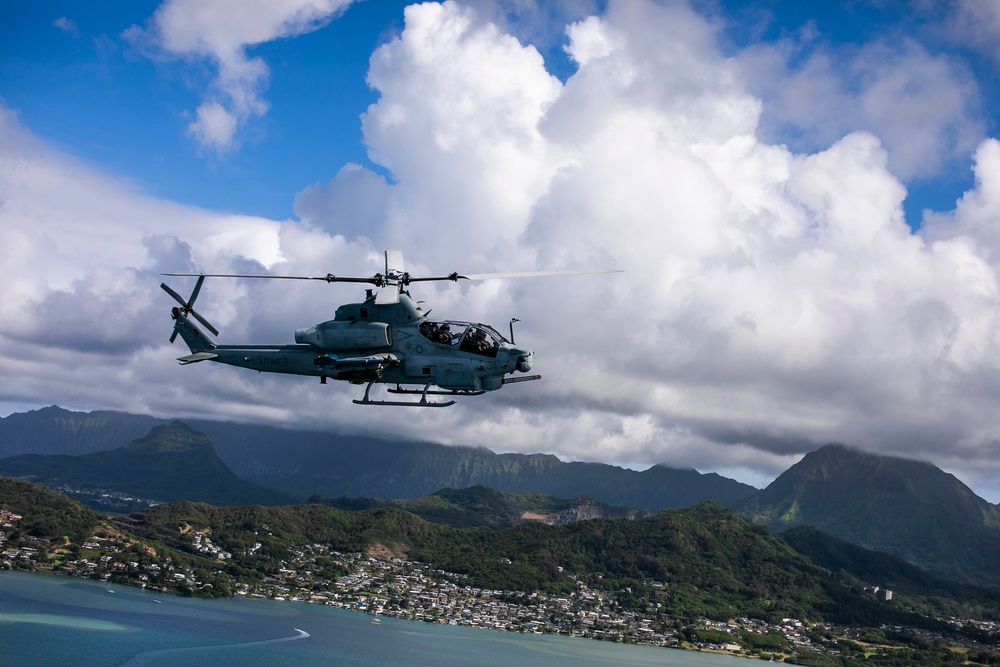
471	337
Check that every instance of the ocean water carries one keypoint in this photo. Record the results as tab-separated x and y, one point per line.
53	620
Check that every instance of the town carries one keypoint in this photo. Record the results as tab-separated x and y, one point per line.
384	585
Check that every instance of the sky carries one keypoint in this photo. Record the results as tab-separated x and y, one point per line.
804	199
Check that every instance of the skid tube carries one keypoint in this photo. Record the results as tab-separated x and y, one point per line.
422	403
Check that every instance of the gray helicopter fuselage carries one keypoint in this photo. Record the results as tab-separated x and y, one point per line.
378	342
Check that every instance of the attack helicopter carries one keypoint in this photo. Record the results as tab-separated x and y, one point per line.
387	338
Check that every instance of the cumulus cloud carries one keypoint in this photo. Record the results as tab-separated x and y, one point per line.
223	31
923	106
82	254
976	25
773	299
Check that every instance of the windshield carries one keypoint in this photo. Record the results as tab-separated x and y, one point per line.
476	338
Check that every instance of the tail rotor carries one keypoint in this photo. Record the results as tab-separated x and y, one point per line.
187	307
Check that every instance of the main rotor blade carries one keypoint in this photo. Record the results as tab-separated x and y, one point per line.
330	278
405	279
387	295
394	262
535	274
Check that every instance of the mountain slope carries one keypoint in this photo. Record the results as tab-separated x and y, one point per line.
172	462
907	508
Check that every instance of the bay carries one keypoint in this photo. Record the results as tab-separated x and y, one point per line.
55	620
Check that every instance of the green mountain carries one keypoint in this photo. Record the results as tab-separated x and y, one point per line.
172	462
910	509
332	465
46	514
483	506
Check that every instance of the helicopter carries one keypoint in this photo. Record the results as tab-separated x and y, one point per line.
387	338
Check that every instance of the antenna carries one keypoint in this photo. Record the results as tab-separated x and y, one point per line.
512	320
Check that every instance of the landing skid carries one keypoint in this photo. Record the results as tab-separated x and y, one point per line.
422	403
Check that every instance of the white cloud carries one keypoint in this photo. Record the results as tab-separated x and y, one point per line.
223	31
923	106
975	24
215	126
83	252
589	39
457	126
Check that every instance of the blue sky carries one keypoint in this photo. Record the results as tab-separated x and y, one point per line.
803	196
106	102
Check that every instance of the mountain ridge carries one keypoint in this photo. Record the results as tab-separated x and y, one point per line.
309	462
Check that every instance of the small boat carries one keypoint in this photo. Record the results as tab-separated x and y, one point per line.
375	620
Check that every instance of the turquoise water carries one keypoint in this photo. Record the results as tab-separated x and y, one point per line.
50	620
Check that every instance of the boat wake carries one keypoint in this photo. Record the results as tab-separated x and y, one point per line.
144	658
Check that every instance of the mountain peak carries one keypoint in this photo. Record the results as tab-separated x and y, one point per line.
174	437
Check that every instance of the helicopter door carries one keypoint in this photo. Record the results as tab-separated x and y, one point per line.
457	375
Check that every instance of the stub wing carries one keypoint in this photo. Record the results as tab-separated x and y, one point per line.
341	363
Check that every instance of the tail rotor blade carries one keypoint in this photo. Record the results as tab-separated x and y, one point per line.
208	325
177	297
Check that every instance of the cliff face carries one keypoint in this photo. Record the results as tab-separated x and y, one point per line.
584	511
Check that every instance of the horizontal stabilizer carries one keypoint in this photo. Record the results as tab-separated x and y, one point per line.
196	357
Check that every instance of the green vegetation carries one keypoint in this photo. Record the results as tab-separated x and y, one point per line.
489	508
45	513
705	561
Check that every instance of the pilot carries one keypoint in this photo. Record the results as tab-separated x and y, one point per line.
478	342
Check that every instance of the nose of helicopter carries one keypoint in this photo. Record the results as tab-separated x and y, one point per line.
524	358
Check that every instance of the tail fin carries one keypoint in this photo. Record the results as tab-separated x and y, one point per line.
196	340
